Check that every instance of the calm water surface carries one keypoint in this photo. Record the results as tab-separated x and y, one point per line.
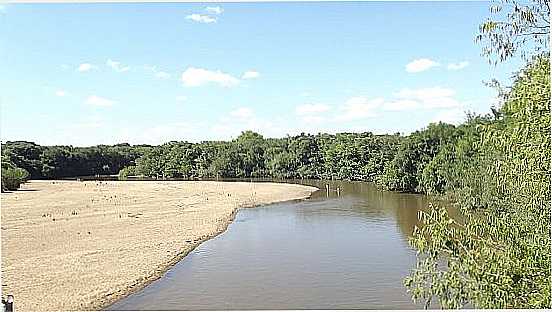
328	252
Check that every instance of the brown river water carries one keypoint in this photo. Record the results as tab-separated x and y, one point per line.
328	252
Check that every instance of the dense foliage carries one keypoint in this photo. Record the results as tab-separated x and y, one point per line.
498	175
68	161
342	156
12	177
405	171
349	156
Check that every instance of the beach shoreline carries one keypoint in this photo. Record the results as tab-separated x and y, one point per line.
122	243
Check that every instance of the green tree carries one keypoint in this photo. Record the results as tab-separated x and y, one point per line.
499	255
12	177
126	172
516	27
404	172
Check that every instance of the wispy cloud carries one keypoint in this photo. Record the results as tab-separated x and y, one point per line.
117	66
406	99
402	105
95	100
244	118
200	18
195	77
242	113
210	17
214	10
157	73
84	67
61	93
359	107
251	74
434	97
162	75
420	65
312	113
453	116
458	66
307	109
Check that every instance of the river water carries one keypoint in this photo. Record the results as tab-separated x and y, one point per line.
328	252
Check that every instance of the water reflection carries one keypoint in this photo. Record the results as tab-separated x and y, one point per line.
373	202
329	252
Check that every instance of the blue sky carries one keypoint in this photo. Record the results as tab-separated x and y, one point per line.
85	74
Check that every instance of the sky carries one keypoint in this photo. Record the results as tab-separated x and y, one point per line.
149	73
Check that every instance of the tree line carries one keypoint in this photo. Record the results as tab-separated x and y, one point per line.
346	156
26	160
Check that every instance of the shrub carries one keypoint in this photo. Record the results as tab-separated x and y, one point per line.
126	172
12	178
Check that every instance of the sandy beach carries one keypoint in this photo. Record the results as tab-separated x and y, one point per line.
82	245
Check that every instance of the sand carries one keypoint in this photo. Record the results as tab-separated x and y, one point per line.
70	245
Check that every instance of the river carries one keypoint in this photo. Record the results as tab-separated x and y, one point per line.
346	251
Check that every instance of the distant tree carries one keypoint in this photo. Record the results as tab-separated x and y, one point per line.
126	172
404	172
251	148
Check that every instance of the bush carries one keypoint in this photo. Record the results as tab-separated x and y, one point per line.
126	172
12	178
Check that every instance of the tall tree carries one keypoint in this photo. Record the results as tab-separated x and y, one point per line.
515	26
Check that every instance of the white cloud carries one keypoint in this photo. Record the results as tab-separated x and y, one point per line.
99	101
61	93
311	113
313	119
401	105
458	66
307	109
214	10
90	125
420	65
206	19
424	93
227	128
251	74
452	116
162	75
84	67
242	113
181	98
435	97
359	107
159	74
174	131
195	77
117	66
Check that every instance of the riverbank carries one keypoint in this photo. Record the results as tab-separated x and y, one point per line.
83	245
